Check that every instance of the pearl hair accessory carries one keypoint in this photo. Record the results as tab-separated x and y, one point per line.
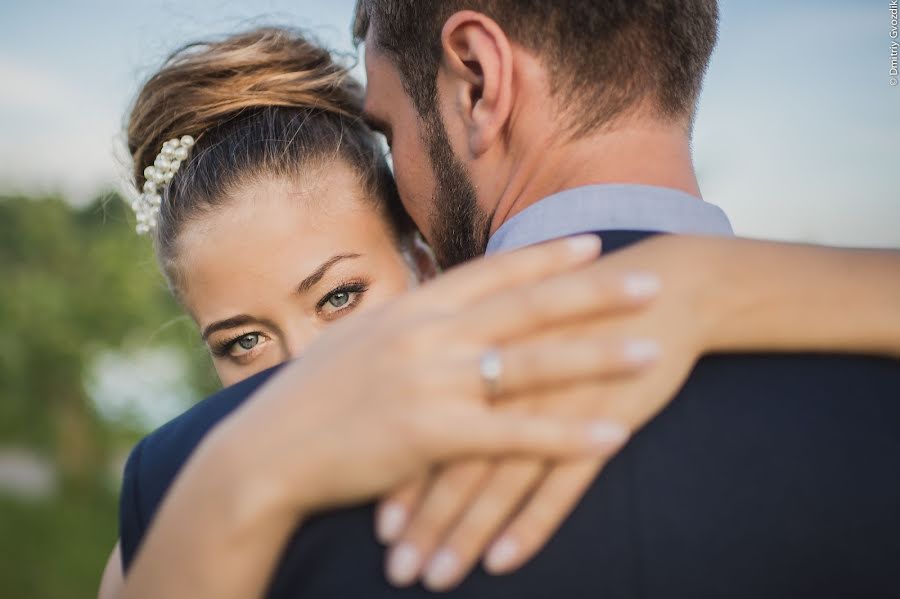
156	178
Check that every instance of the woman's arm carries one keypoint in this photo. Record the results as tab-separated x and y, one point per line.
112	581
221	529
788	297
718	295
376	401
205	541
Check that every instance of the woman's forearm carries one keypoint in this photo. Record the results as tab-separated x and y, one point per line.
218	533
784	297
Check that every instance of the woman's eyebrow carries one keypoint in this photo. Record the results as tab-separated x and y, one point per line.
228	323
307	283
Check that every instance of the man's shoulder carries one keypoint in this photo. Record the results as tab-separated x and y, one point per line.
772	463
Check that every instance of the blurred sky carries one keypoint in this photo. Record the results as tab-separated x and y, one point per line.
797	136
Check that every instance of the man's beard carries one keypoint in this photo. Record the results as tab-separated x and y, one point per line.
459	228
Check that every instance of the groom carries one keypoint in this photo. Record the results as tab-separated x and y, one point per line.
516	121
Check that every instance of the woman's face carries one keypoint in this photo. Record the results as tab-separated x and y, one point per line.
280	261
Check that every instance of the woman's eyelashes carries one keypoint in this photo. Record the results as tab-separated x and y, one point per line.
243	347
246	346
341	299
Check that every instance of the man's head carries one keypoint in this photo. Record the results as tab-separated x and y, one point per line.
472	84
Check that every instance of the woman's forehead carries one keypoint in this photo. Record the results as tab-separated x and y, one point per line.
272	238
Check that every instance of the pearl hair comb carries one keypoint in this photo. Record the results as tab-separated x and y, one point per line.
157	177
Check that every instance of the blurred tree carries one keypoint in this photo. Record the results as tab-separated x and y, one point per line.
75	283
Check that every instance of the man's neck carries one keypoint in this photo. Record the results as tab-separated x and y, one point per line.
657	156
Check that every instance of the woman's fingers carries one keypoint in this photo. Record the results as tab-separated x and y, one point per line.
470	282
542	367
393	512
474	430
565	298
545	510
558	362
498	499
447	496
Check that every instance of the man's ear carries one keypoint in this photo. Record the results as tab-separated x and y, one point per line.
478	64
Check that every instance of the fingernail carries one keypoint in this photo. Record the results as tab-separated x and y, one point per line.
642	285
391	521
403	565
605	433
584	244
501	555
642	351
442	570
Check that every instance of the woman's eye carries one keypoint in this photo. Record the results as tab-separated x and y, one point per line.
244	344
339	300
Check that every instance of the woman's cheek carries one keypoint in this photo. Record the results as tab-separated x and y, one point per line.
227	372
231	372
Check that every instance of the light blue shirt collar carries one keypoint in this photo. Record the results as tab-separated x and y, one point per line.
594	208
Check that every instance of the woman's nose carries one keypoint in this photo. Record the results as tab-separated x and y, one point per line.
299	338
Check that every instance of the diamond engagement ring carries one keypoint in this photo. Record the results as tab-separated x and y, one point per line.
491	369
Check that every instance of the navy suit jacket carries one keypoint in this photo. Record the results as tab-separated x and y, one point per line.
767	476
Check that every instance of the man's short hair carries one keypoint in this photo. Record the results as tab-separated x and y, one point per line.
604	57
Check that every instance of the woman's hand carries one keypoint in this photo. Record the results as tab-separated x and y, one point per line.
386	395
732	295
440	526
401	390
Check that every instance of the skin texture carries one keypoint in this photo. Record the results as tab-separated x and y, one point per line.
390	111
275	233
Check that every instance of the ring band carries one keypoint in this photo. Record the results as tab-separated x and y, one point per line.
491	369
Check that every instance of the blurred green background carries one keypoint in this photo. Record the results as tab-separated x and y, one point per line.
93	354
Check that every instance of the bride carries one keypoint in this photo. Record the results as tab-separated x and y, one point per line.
276	222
